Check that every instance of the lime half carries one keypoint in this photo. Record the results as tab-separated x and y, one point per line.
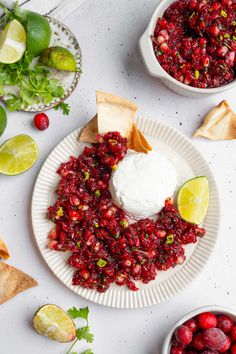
193	200
17	155
51	321
12	42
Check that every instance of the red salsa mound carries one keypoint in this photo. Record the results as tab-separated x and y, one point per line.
104	248
195	42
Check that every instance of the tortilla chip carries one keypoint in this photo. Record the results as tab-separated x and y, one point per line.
4	253
218	124
114	114
89	132
144	141
136	142
13	281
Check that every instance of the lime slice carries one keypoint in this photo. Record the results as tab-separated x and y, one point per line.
3	120
12	42
38	34
17	155
193	200
51	321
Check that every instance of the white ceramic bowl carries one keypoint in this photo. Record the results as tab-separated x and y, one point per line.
155	69
213	308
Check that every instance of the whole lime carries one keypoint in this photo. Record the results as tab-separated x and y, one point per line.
3	120
38	34
58	58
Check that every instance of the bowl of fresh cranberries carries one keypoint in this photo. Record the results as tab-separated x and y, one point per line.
206	330
191	45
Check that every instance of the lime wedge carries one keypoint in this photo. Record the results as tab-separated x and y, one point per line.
193	200
17	155
12	42
3	120
52	322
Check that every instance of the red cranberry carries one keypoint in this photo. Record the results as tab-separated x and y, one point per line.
233	333
214	338
226	346
233	349
192	324
207	320
198	342
225	323
176	350
41	121
183	335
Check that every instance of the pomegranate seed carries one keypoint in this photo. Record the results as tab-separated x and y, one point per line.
205	61
41	121
193	4
164	47
84	273
216	6
222	51
53	234
207	320
75	215
214	30
53	244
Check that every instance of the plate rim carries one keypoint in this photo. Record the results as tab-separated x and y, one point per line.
133	301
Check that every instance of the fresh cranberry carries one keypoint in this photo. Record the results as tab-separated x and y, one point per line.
226	346
176	350
225	323
198	342
183	335
207	320
41	121
214	338
192	324
233	333
233	349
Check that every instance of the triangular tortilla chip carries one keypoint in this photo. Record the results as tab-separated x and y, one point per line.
13	281
90	131
144	141
136	143
219	123
4	253
114	114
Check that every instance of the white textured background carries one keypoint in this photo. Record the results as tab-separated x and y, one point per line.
108	32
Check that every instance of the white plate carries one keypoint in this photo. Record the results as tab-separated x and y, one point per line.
188	162
63	37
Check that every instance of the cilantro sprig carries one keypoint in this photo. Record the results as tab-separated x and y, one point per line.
64	107
82	333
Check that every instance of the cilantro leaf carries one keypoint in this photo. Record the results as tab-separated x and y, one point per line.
64	107
81	313
88	351
84	333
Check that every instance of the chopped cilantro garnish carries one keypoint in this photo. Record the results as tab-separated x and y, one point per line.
146	236
117	235
124	223
78	244
193	14
142	261
96	225
101	263
227	35
65	107
169	239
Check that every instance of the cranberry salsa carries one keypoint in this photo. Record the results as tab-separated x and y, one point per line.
195	42
104	247
206	333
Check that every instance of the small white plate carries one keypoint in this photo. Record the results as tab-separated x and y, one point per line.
63	37
188	162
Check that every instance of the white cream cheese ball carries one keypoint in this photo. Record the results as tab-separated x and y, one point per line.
142	183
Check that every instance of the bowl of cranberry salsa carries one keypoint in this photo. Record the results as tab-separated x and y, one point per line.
207	330
191	45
